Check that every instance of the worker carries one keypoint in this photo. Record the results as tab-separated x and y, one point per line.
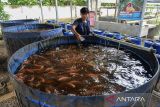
81	26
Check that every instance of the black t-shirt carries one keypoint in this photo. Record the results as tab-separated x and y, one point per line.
83	28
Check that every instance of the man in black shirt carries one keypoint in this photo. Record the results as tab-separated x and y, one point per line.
81	26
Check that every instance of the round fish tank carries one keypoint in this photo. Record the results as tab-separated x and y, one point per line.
9	23
16	37
31	97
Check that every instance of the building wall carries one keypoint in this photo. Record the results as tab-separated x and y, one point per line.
132	30
24	12
34	12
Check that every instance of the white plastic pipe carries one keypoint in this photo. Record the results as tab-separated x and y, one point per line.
42	16
88	4
56	9
141	22
96	9
71	11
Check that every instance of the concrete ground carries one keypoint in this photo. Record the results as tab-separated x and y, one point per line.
8	99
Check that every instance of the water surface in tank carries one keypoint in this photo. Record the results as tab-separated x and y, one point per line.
84	71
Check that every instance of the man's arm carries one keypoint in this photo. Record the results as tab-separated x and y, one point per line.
75	32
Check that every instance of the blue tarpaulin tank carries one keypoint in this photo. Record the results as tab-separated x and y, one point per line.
18	22
30	97
16	37
148	43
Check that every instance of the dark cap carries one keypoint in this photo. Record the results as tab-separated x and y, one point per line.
84	10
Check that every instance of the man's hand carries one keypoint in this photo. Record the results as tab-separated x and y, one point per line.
91	34
78	37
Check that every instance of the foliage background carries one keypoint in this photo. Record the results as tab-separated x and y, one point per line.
3	15
46	2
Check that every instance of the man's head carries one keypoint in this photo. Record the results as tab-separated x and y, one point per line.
84	13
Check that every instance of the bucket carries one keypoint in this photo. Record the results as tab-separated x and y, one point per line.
156	46
118	36
68	26
63	25
98	32
148	43
135	40
51	21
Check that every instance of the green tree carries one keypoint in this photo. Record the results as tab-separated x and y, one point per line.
47	2
3	15
22	2
79	2
65	2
